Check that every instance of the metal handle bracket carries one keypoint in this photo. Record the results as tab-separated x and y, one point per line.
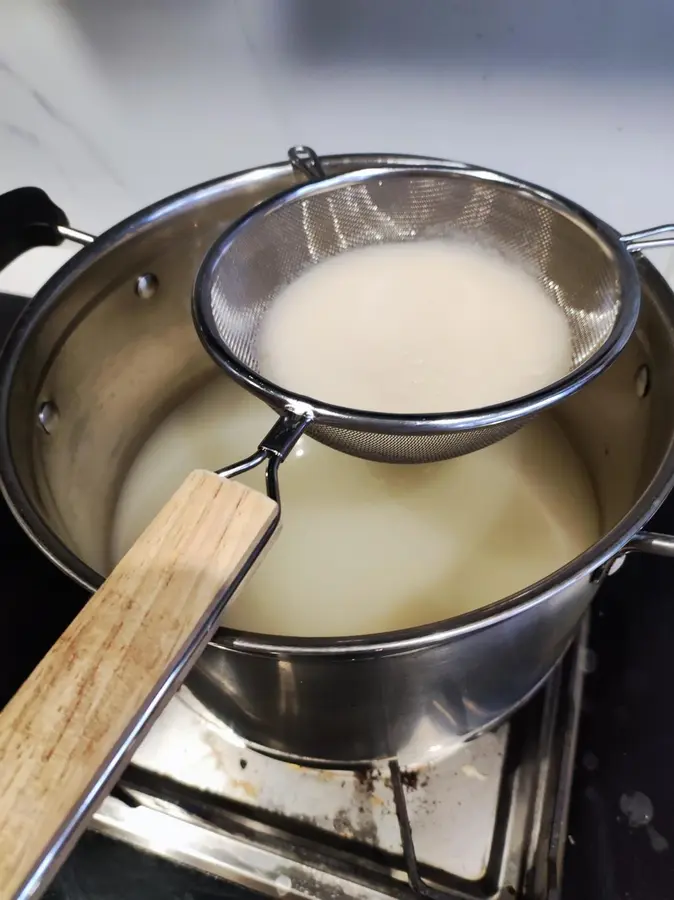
649	238
651	542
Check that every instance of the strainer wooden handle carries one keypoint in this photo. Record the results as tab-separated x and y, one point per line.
77	718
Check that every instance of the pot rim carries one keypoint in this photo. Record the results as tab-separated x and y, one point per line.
588	564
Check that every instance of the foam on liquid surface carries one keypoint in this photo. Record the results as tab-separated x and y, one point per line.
419	327
368	547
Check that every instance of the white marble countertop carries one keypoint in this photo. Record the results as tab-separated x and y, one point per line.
109	106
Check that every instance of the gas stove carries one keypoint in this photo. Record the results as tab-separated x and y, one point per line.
578	783
487	821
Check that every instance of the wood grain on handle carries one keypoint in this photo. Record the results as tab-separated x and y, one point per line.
67	730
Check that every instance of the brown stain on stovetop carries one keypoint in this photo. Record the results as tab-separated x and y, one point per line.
410	779
366	779
357	821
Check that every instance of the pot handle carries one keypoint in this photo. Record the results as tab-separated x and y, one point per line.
652	543
28	218
660	236
76	720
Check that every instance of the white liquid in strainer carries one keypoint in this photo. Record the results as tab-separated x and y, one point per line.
368	547
419	327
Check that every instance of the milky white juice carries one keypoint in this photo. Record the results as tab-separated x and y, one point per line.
369	547
418	327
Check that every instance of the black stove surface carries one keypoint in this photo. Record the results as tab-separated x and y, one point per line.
621	834
621	831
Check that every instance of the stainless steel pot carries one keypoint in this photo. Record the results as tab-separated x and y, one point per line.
107	349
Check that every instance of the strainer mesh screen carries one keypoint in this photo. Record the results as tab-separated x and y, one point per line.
573	263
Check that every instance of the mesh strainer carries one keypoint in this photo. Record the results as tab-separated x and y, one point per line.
581	263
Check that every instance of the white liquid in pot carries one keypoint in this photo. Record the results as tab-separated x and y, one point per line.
418	327
369	547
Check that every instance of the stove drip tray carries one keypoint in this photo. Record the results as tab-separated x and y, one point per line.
489	821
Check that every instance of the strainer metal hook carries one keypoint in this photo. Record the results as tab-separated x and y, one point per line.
305	160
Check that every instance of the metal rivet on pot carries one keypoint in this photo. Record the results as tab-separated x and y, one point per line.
47	416
642	381
616	564
146	286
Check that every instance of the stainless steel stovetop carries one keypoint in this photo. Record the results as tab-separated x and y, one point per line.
488	821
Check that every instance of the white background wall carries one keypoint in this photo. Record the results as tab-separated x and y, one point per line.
111	104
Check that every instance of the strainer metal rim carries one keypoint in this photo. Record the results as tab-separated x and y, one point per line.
418	424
